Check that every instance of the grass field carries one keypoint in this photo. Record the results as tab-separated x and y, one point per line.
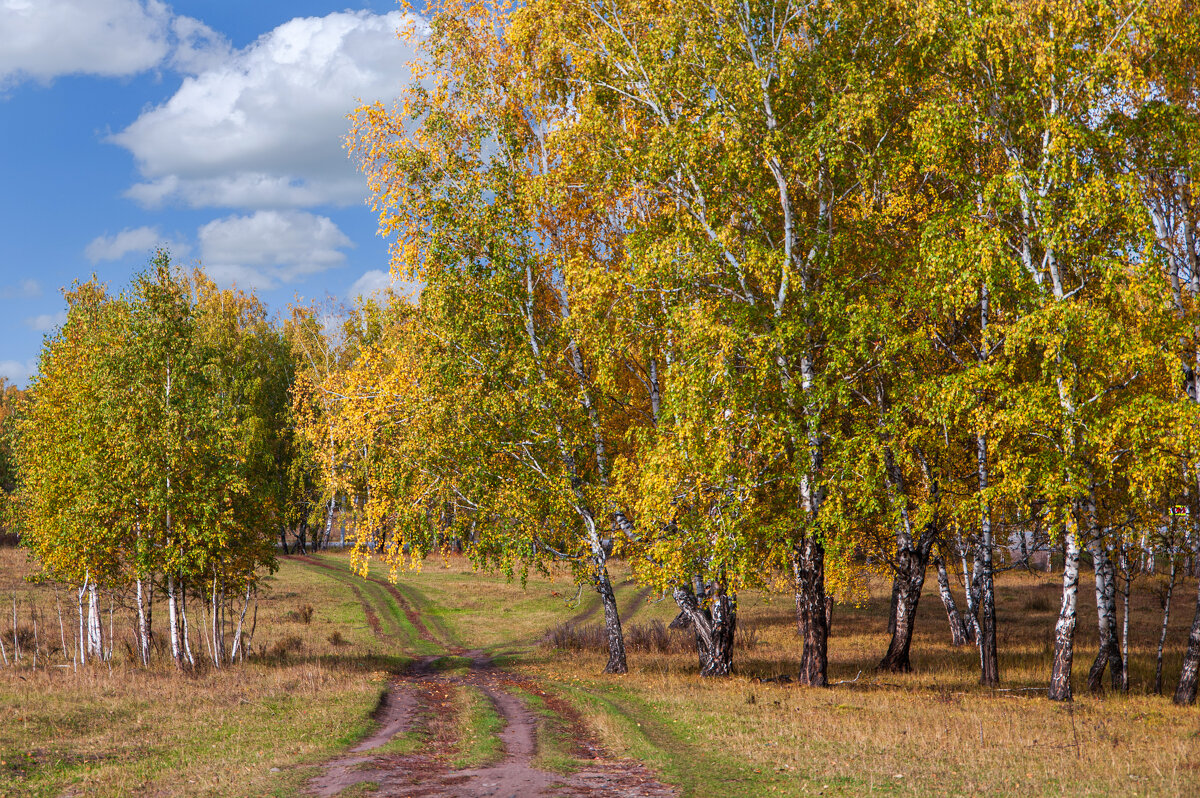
307	695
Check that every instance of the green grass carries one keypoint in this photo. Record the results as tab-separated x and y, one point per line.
662	743
360	790
554	736
478	729
409	742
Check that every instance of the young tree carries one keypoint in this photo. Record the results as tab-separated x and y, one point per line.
471	195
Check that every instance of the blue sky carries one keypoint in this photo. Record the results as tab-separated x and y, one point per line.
213	128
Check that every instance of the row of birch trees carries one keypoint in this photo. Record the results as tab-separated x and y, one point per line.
152	453
757	291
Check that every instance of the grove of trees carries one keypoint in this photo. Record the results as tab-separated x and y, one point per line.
741	289
739	292
151	452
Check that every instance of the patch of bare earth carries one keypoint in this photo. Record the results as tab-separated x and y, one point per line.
420	697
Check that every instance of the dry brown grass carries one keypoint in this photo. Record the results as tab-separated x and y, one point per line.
117	729
934	731
930	732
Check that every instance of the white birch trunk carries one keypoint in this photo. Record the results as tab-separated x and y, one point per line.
81	637
143	633
187	641
173	621
95	638
15	638
237	634
1064	629
62	629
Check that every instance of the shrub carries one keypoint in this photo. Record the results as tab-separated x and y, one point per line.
281	647
302	615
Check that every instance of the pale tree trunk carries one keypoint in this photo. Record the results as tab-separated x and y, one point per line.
173	621
62	629
143	630
95	641
1185	691
958	630
187	641
714	627
4	652
970	577
237	633
1125	571
150	614
16	638
1162	635
81	637
217	636
600	549
328	525
1064	629
36	643
1109	654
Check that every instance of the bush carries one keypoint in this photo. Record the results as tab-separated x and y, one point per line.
302	615
653	637
281	647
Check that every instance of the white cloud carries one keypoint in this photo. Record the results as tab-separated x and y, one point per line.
264	127
17	372
137	239
46	322
372	282
43	39
377	281
197	47
25	289
267	248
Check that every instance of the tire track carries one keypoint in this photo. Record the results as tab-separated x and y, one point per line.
429	773
422	694
398	632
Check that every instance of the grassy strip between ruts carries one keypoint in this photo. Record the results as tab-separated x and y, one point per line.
554	743
395	621
478	729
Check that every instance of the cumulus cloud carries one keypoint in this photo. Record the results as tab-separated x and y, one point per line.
23	289
376	282
46	322
198	48
267	248
262	127
137	239
372	282
44	39
17	372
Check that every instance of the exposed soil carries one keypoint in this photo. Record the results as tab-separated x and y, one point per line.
418	699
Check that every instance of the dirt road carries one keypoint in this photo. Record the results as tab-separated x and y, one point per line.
416	743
